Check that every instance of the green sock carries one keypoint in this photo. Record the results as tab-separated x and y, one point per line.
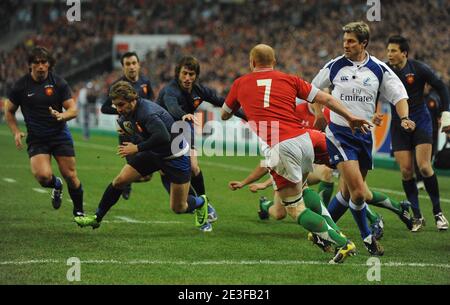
316	224
312	201
325	191
265	205
383	201
372	216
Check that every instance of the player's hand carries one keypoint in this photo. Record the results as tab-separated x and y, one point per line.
235	185
446	129
408	125
18	139
56	114
377	119
255	187
191	118
320	123
356	123
126	149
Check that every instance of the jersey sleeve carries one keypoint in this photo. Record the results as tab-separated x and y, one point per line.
14	95
305	90
322	79
232	104
150	93
64	90
433	79
391	89
170	102
210	96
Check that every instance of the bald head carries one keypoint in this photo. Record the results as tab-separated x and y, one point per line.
262	56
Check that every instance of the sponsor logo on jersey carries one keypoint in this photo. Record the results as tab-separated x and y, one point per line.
344	78
366	82
197	101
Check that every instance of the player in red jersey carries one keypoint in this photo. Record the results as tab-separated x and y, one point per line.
268	98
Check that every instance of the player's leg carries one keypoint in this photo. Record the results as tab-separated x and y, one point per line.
67	168
326	184
339	203
110	197
197	180
41	169
405	161
354	178
126	192
275	208
423	155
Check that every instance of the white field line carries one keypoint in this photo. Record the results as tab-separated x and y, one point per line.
220	263
40	190
124	219
9	180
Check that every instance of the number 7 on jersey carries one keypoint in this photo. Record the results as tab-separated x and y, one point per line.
266	83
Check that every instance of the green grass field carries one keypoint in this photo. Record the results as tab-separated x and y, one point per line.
143	242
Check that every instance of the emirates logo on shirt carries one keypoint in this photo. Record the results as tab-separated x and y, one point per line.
410	78
49	91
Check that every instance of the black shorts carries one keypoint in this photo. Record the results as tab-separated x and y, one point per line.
403	140
55	147
177	170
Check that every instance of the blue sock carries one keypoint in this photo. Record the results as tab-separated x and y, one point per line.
77	198
166	183
412	193
110	198
359	214
432	187
337	207
194	203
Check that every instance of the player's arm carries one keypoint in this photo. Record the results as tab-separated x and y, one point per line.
255	175
218	101
260	186
231	104
159	136
107	107
10	117
433	79
170	100
402	109
320	122
333	104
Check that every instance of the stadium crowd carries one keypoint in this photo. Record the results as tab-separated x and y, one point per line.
304	32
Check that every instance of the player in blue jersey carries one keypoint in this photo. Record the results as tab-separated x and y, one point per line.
181	97
131	73
414	75
160	149
46	102
358	79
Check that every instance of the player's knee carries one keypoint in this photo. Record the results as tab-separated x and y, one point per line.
426	170
279	215
358	196
43	179
119	183
407	173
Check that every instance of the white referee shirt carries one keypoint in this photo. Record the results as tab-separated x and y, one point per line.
359	85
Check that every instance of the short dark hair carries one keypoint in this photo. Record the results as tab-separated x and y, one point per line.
128	54
189	62
360	29
401	41
123	90
40	52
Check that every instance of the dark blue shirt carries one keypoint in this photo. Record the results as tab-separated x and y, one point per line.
414	75
35	98
142	86
153	124
179	102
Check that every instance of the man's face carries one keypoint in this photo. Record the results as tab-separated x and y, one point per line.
123	107
352	47
394	54
39	69
186	78
131	68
